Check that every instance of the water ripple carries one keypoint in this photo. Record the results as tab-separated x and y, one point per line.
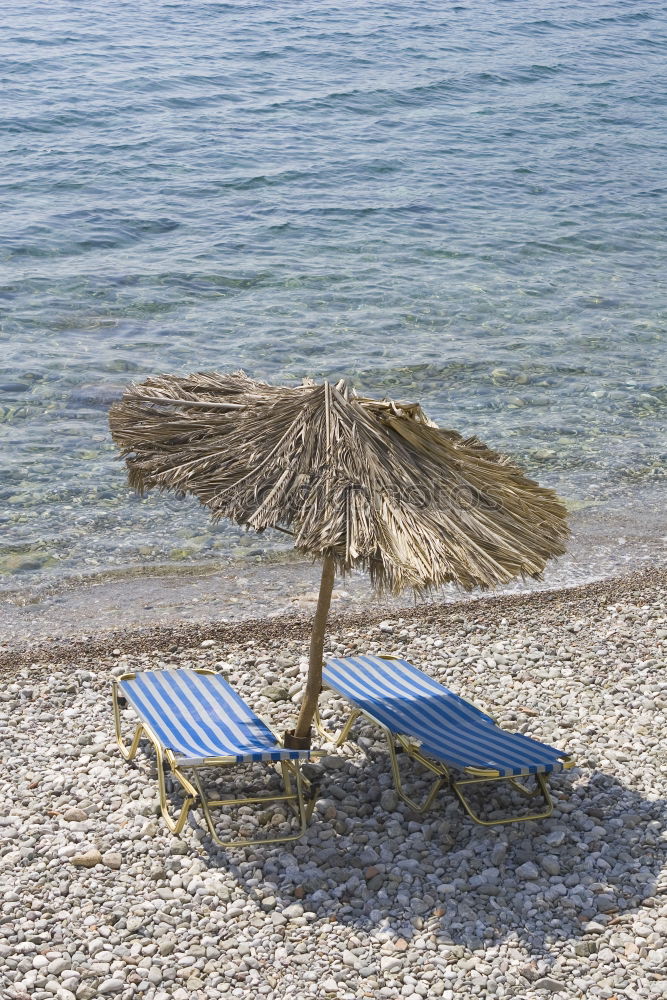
463	204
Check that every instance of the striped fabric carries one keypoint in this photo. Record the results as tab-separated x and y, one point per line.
199	716
411	703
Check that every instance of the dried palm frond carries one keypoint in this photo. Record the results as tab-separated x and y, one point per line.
369	483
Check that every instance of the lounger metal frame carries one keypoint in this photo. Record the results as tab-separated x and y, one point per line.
193	787
475	775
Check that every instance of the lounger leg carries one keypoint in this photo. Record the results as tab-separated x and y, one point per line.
439	770
128	752
310	788
527	792
297	796
339	739
542	788
190	794
287	781
300	800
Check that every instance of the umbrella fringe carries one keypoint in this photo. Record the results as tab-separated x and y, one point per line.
374	484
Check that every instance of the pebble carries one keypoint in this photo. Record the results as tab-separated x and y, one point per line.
528	871
373	901
549	985
389	800
87	860
112	859
110	986
75	815
555	838
389	964
551	864
275	692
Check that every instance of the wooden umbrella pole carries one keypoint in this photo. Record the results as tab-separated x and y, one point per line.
314	682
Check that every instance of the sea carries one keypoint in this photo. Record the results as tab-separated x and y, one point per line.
463	204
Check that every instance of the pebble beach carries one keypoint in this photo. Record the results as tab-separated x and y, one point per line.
98	899
456	205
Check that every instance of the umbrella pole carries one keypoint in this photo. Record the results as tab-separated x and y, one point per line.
314	681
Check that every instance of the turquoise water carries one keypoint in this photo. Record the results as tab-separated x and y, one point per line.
464	204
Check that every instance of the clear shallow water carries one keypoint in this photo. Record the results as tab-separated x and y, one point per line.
466	206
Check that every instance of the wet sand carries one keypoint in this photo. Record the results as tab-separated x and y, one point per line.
551	604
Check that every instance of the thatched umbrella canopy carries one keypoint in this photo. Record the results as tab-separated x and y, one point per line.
356	481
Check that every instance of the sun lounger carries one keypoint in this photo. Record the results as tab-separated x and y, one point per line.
196	721
441	731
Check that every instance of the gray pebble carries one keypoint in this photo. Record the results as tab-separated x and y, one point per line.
111	986
528	871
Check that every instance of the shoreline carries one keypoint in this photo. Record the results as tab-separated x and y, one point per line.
484	609
604	546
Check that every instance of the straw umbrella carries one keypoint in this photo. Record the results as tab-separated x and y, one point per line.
356	482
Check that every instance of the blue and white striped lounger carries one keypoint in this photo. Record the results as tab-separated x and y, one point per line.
440	730
195	720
